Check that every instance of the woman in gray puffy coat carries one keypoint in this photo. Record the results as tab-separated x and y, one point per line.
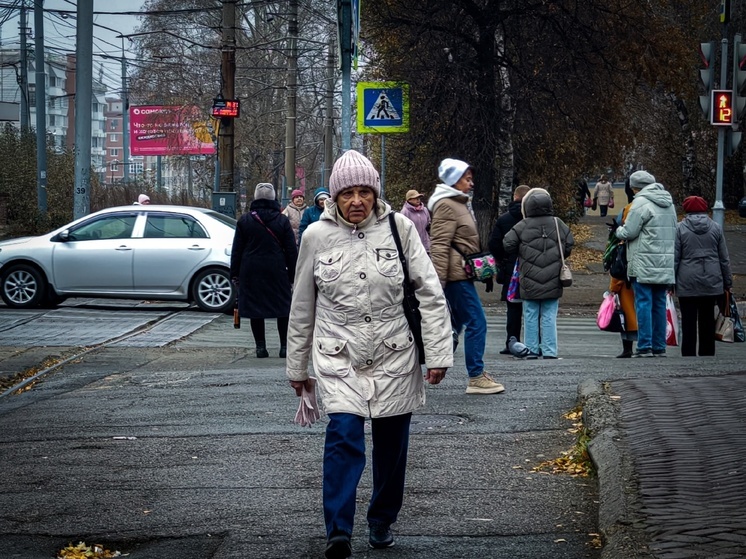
347	316
702	275
534	239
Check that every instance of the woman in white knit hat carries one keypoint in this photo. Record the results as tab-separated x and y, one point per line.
347	315
453	232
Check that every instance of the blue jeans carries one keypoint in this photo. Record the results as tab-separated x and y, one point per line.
466	311
650	306
540	325
344	461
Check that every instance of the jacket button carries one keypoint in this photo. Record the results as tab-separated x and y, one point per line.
362	275
329	261
361	235
336	348
369	362
367	319
410	338
393	346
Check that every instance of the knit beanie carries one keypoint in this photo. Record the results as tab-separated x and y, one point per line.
295	193
264	191
143	198
695	205
353	169
640	179
451	170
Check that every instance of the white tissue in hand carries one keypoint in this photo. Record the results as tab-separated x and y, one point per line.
308	409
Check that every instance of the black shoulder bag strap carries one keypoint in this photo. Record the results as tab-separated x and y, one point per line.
411	304
259	219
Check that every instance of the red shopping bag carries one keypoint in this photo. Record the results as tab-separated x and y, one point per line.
672	321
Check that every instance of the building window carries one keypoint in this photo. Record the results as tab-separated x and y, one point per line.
112	137
136	168
114	123
52	120
114	152
114	166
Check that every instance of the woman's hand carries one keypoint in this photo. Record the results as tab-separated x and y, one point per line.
434	376
298	386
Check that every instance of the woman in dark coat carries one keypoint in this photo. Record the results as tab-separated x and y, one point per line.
263	265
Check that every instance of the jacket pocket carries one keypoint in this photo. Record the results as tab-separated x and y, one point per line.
399	355
331	357
387	261
329	265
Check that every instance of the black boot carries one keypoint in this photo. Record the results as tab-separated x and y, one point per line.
626	349
283	351
261	350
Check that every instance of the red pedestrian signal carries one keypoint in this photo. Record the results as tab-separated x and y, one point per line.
721	107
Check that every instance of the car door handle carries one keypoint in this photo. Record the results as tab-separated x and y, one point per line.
123	247
196	247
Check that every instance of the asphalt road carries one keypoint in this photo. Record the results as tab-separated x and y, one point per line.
186	449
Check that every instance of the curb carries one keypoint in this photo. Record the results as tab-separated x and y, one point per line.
620	519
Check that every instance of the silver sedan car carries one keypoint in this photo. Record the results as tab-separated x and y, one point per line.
163	252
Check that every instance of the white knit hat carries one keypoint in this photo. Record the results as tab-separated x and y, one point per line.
353	169
451	170
264	191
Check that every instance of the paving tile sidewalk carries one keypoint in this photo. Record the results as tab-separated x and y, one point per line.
672	466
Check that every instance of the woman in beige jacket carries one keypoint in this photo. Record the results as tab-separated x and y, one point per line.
454	229
347	315
603	195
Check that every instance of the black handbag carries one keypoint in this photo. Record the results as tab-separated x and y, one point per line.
410	302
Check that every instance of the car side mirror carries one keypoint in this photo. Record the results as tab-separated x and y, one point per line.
64	236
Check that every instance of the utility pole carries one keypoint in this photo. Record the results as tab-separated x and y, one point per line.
228	76
329	124
23	76
344	15
291	117
41	114
125	119
83	98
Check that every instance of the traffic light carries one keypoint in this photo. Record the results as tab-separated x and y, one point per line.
707	74
739	77
721	105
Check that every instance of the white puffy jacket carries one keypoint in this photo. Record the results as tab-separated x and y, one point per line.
347	315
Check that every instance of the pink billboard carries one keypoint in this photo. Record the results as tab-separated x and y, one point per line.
170	130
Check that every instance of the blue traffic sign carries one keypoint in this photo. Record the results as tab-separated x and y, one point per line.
382	107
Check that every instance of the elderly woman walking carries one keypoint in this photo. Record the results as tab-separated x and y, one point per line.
347	315
263	265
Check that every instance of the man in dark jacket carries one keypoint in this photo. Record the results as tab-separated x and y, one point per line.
504	224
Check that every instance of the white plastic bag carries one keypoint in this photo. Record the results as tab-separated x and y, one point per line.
672	322
308	409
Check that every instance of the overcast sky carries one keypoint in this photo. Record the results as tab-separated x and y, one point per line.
59	32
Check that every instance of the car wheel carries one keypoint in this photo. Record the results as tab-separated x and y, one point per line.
23	287
212	290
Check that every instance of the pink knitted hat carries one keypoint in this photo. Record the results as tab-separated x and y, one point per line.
353	169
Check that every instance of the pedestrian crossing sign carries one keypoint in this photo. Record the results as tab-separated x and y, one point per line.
382	107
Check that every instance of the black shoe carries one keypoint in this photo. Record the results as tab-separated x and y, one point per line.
338	547
550	357
380	536
533	356
283	351
261	352
659	353
624	355
506	351
643	353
